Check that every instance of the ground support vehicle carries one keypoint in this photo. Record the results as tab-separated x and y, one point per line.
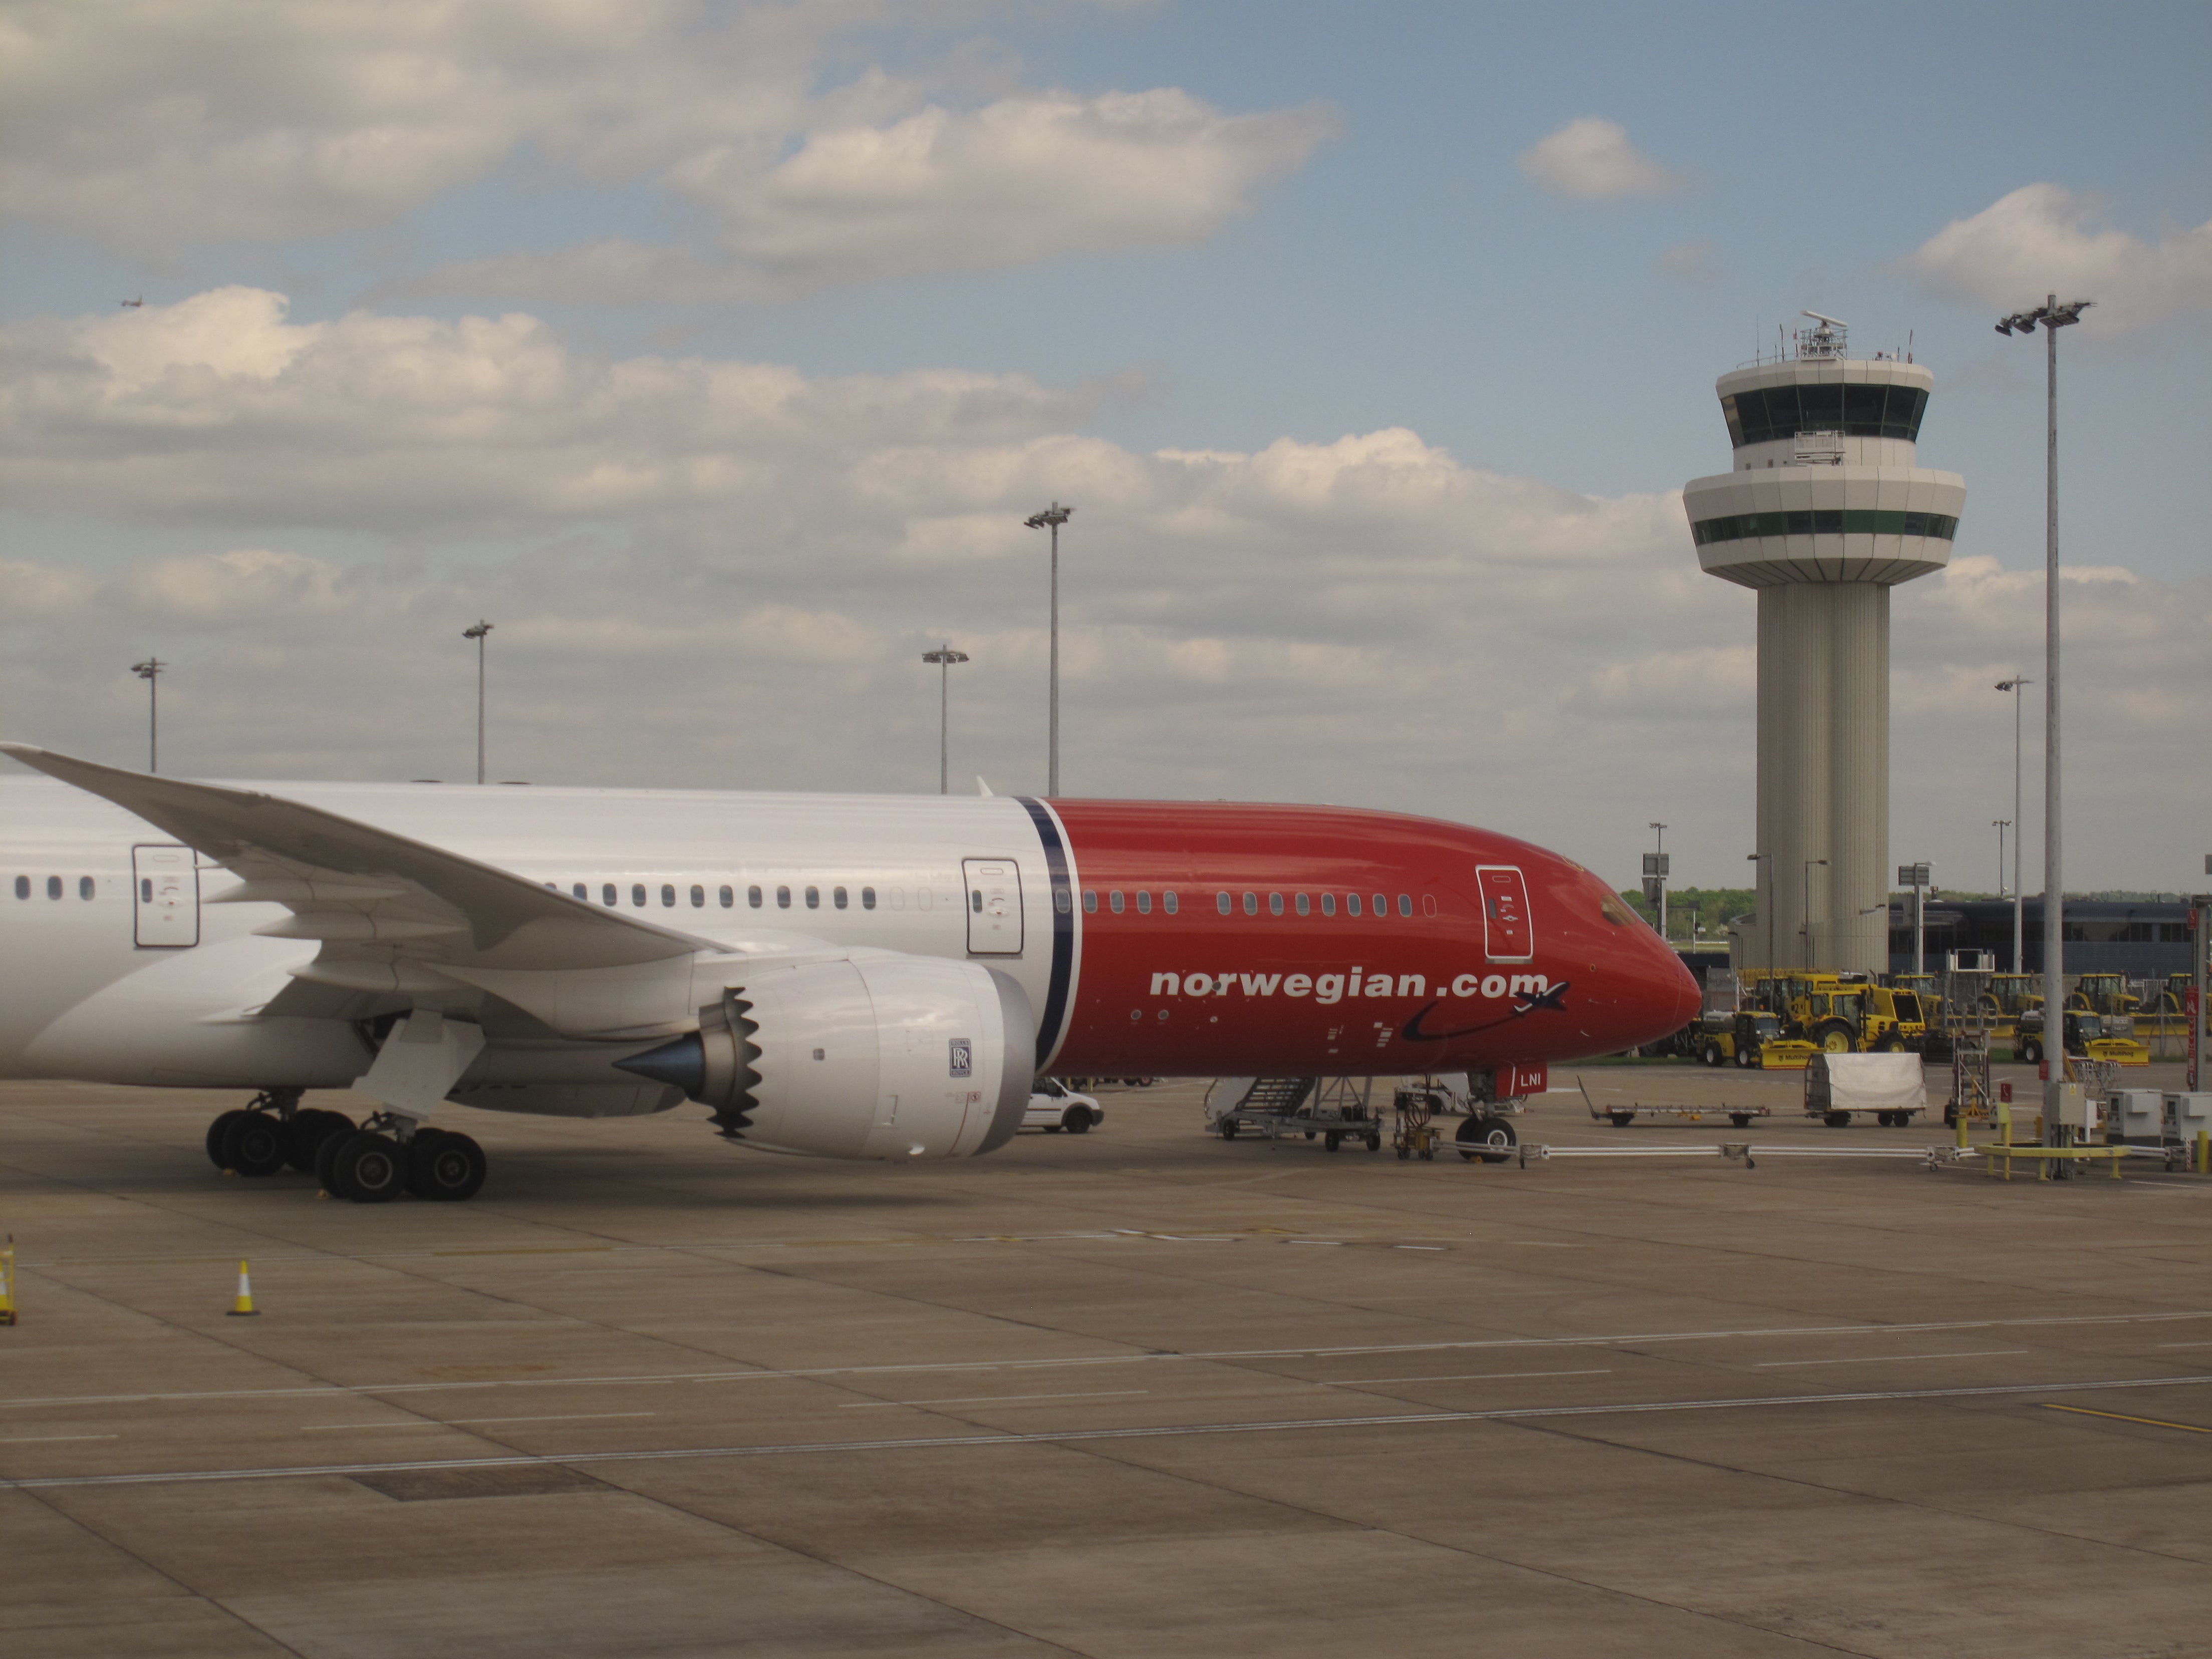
1333	1110
1888	1087
1053	1107
1621	1116
2087	1036
1742	1037
2108	994
2005	998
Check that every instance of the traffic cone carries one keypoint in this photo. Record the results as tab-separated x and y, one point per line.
243	1307
7	1281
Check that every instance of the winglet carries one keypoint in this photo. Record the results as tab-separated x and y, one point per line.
981	787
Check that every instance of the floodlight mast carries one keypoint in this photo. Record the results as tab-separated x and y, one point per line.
478	634
2053	316
944	659
150	670
1053	516
2019	831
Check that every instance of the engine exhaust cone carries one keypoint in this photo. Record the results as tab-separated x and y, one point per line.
683	1063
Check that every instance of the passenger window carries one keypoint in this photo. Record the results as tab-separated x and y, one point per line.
753	897
1221	902
607	894
53	886
580	891
668	896
145	889
1382	904
1275	904
1089	900
1168	902
1329	904
868	898
1305	905
814	898
1113	900
23	887
1351	904
1060	901
84	887
1404	904
637	893
698	897
783	898
1251	904
1144	904
837	897
729	896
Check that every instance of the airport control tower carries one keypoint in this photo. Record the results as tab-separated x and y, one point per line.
1824	512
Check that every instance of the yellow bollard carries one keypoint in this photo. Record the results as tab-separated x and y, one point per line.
7	1281
242	1307
2205	1152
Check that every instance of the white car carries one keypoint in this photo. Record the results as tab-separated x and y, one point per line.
1053	1107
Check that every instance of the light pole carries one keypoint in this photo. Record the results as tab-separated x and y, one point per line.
2001	826
2053	317
150	671
1914	876
1766	905
1657	866
1809	863
944	660
478	634
1052	517
2019	896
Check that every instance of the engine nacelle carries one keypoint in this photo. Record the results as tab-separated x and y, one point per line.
888	1056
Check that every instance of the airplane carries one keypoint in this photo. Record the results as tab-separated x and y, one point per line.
861	976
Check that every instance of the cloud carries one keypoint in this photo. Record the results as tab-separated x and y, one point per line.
151	128
1590	160
717	572
1690	262
2042	238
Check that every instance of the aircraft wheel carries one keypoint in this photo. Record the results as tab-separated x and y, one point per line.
1491	1138
305	1134
215	1132
366	1167
443	1166
253	1144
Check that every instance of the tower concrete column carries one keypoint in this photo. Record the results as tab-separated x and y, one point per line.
1824	512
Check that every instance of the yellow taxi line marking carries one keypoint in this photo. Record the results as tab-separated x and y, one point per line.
2123	1417
1881	1358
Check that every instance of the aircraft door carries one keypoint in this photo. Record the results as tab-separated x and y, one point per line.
994	907
166	896
1508	935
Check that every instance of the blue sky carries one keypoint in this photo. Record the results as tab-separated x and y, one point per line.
1313	226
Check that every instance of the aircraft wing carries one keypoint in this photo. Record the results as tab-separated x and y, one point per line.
384	907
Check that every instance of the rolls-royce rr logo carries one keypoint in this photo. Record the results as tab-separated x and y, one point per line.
963	1057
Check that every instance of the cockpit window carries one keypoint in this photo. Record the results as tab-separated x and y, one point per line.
1614	911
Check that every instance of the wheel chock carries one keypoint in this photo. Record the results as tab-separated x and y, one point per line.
7	1281
242	1306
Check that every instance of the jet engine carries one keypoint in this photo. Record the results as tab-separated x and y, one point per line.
886	1057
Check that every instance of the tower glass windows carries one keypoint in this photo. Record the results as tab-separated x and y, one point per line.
1857	410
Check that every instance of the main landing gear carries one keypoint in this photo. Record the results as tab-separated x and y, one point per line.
369	1164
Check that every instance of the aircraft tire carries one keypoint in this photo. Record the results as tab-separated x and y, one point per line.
1491	1138
215	1133
306	1134
366	1167
253	1144
444	1167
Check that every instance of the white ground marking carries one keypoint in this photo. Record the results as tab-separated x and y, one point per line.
470	1422
48	1439
991	1399
933	1367
1878	1358
1062	1436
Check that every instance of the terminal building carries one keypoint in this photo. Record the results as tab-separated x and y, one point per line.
2145	939
1825	509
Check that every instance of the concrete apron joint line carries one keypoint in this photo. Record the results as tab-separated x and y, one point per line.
1283	1425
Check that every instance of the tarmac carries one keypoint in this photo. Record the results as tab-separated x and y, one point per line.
1141	1392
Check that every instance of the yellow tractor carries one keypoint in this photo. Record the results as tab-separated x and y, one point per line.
2104	994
